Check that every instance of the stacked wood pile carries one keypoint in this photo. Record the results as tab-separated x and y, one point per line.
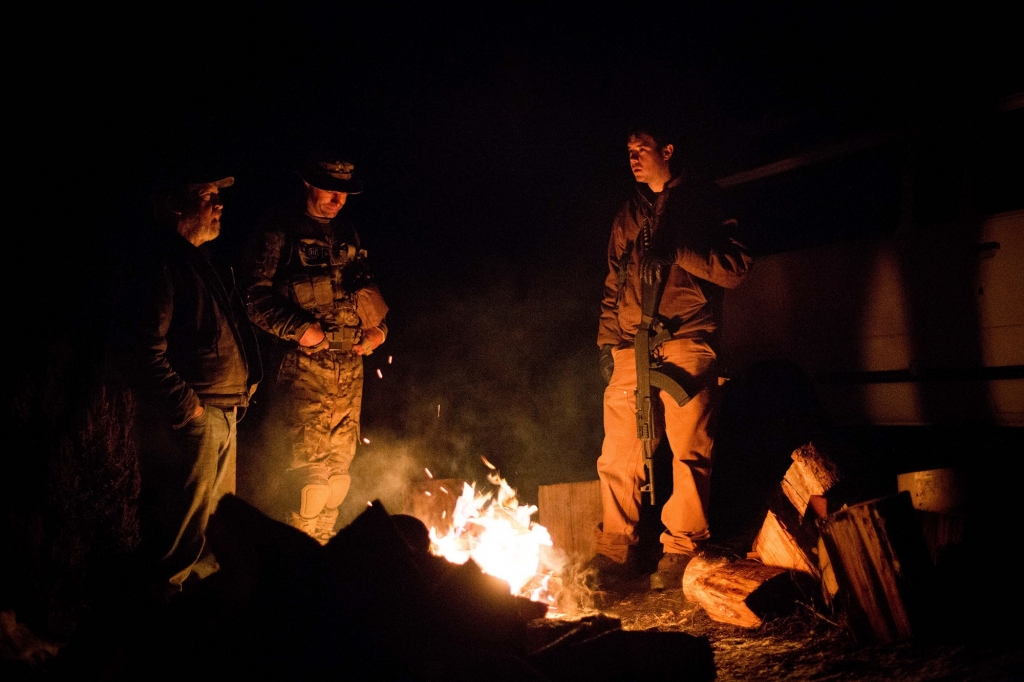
788	537
869	557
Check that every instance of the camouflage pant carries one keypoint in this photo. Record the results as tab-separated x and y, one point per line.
320	397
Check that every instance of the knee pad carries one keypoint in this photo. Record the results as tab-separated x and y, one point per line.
339	485
312	499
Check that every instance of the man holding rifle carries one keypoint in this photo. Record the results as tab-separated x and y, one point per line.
670	257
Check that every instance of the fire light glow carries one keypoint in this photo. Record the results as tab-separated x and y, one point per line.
497	534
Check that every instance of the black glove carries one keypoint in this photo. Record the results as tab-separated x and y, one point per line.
607	363
652	268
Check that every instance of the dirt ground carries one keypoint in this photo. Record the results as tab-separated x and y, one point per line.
810	645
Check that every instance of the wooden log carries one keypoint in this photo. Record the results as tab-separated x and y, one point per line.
939	497
941	532
571	512
433	502
776	546
881	565
811	473
942	491
744	593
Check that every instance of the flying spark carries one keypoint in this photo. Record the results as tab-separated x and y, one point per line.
366	440
379	375
389	359
429	475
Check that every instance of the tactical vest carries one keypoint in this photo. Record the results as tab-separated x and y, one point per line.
322	275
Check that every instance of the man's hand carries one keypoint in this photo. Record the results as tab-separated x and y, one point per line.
607	363
652	269
313	336
372	338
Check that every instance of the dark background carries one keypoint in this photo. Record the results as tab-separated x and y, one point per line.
491	141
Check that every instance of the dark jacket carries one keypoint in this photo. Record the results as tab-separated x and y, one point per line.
690	231
300	271
183	337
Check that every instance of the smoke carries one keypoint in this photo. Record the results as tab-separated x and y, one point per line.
383	470
506	371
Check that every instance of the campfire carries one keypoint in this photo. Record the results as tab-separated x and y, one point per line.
494	530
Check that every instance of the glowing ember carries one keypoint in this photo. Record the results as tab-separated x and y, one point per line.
430	475
366	440
389	359
495	531
379	375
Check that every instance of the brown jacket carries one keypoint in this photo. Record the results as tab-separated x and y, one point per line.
693	234
183	338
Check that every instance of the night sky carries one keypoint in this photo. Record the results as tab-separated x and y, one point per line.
491	142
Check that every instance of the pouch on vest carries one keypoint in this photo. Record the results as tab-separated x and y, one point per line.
313	253
343	253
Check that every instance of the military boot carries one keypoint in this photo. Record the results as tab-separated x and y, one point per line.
325	525
669	575
307	526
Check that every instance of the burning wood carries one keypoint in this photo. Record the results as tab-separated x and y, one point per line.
496	532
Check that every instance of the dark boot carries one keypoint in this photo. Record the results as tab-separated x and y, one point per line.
608	573
669	575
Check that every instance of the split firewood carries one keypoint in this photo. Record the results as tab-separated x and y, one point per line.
744	593
571	512
788	538
881	565
776	546
811	473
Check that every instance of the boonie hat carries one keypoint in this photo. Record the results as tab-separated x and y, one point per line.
333	175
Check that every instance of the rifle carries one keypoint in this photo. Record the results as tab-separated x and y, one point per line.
651	334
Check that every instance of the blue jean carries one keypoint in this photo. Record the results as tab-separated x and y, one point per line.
185	472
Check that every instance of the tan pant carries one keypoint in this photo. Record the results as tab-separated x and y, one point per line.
321	396
690	430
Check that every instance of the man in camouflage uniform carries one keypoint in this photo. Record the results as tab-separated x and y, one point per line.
308	283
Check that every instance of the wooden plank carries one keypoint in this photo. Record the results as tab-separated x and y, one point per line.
571	512
743	593
881	565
